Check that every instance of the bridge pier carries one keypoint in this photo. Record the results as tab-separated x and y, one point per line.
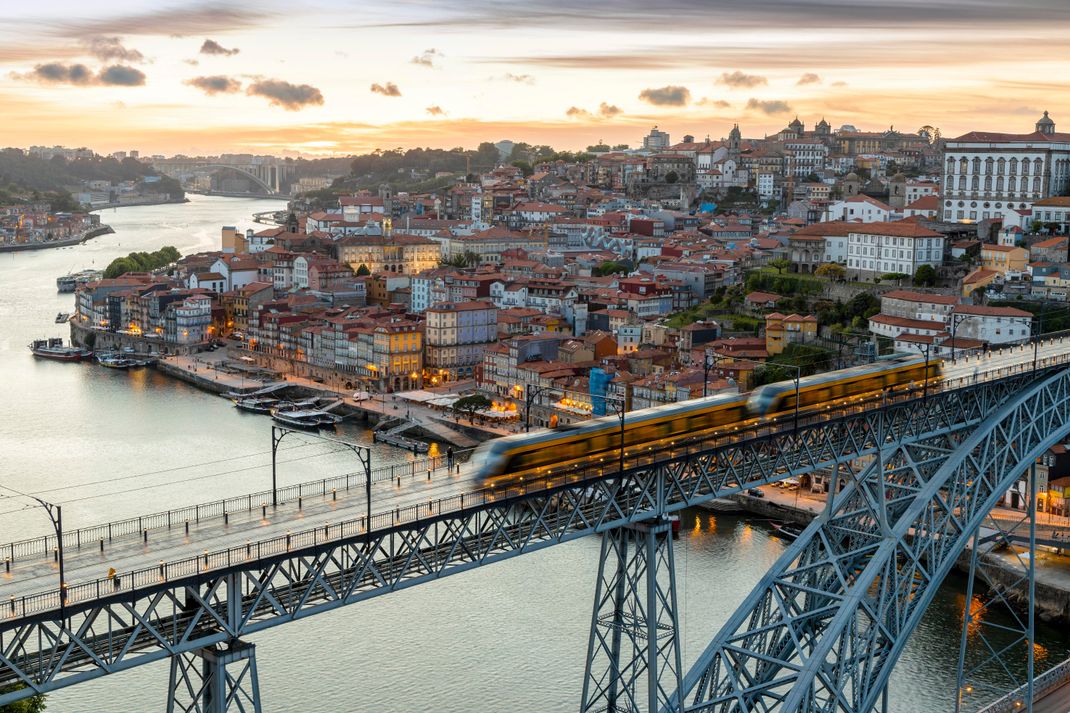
633	654
215	679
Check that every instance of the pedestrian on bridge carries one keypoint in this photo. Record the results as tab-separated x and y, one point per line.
449	457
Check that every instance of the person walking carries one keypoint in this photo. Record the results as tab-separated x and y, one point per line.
449	457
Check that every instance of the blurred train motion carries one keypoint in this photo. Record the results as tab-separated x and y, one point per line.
507	459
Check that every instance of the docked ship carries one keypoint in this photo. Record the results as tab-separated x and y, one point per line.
306	419
53	348
71	281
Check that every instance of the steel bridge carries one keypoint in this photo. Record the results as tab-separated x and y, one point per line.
916	474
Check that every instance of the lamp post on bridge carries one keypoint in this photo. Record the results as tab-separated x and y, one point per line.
364	455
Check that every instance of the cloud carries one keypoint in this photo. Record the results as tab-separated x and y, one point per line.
809	78
575	112
427	57
740	80
59	73
702	15
609	110
191	62
387	90
185	19
216	84
81	75
109	48
435	110
213	47
121	76
284	94
717	103
666	96
518	78
768	106
839	84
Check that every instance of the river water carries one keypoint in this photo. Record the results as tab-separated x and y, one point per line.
506	638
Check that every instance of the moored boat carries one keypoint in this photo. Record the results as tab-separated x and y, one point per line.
787	530
115	361
306	419
62	317
53	348
255	405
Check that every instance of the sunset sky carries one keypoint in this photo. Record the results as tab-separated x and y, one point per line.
326	76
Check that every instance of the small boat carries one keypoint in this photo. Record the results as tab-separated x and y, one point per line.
62	317
115	361
787	530
309	420
53	348
255	405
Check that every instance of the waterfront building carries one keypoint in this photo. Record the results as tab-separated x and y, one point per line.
897	247
457	334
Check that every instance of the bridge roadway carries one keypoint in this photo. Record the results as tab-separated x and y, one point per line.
29	576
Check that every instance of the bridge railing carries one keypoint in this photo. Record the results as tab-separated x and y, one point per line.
1055	677
194	514
323	534
207	561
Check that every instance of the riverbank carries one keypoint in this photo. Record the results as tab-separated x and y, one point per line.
150	201
1052	567
66	242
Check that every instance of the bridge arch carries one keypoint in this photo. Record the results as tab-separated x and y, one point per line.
825	626
252	176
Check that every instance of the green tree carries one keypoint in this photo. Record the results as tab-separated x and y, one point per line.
33	704
672	177
780	264
831	270
525	167
610	267
471	404
896	277
925	276
363	270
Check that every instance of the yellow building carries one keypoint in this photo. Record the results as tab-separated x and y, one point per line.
401	254
397	349
1004	258
781	331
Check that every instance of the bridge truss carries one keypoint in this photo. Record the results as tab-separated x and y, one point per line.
215	600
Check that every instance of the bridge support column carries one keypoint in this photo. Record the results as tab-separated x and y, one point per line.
997	630
633	654
216	679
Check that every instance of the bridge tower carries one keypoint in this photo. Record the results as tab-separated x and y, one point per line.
215	680
633	654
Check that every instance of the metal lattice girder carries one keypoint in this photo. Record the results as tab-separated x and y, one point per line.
823	629
633	656
238	592
216	679
989	647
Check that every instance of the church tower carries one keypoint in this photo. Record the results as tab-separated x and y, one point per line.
735	141
1046	126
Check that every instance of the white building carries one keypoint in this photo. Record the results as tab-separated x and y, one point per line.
994	325
193	320
896	247
859	208
989	175
656	140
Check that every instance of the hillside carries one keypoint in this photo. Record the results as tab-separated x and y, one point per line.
21	175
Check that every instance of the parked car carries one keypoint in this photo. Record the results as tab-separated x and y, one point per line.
755	493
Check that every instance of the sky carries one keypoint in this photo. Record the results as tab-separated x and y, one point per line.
322	77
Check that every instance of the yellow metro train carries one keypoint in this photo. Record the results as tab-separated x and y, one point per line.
506	459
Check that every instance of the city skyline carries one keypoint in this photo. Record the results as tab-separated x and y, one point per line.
328	78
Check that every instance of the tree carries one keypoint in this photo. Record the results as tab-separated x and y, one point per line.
524	166
925	275
610	267
831	270
781	264
896	277
471	404
363	270
34	704
672	177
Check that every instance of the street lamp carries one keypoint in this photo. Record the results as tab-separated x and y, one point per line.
709	362
364	455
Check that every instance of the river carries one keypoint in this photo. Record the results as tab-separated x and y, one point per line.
502	639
